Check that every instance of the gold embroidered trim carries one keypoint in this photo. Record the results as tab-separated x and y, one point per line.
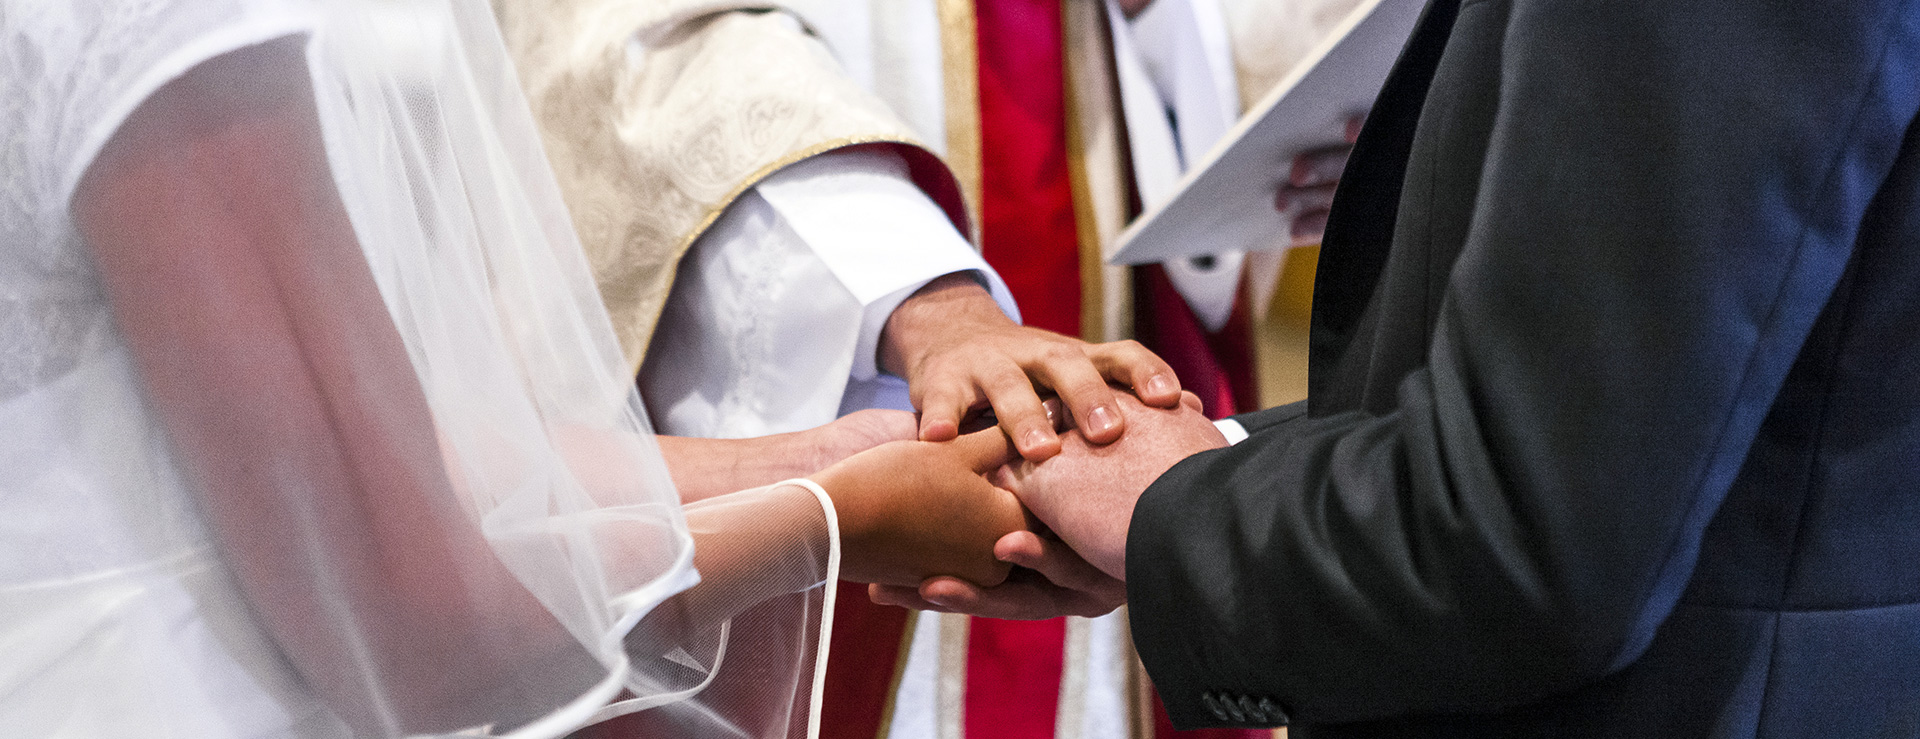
960	82
1139	688
950	686
899	671
1084	49
1070	714
1280	338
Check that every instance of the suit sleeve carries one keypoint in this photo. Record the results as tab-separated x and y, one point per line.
1667	196
1258	421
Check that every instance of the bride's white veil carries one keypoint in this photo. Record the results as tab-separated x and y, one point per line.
541	436
441	172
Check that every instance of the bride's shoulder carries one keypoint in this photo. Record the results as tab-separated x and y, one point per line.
71	71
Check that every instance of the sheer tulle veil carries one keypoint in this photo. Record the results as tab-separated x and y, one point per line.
547	453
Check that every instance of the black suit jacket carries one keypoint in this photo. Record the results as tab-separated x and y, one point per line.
1615	416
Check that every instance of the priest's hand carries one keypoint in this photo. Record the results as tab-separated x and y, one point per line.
956	350
910	510
1086	494
1053	581
1307	194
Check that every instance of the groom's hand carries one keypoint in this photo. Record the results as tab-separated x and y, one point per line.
910	510
1086	494
956	349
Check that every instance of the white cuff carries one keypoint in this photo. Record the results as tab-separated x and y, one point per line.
879	235
1231	429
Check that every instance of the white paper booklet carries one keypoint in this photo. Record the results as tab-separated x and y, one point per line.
1225	202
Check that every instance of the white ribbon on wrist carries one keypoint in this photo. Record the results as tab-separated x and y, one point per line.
826	606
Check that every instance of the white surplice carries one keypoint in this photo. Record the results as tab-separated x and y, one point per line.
1178	94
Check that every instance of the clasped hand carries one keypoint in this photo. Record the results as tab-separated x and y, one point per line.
971	526
1035	528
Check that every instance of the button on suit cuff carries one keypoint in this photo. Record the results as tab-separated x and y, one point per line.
1243	709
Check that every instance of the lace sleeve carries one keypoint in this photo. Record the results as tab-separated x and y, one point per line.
70	73
74	71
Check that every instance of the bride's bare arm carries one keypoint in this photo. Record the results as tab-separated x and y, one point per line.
284	387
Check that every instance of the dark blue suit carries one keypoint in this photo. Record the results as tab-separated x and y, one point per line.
1615	415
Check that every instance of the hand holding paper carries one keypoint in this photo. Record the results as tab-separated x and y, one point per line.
1225	201
1306	196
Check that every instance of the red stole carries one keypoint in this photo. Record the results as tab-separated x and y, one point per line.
1028	234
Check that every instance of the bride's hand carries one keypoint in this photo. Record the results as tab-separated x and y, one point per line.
910	510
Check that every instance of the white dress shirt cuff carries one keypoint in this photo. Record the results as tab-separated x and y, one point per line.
1231	429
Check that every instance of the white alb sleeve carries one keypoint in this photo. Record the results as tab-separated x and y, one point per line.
881	236
775	317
